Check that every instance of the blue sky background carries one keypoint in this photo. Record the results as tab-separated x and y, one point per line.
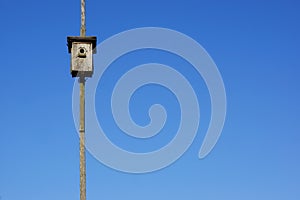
256	46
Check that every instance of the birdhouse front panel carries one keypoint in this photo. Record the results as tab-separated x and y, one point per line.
82	59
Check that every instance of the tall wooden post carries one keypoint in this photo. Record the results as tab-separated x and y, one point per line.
82	116
82	49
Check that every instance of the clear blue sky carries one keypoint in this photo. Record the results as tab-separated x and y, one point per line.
256	46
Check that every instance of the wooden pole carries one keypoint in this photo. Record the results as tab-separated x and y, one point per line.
82	28
82	140
82	116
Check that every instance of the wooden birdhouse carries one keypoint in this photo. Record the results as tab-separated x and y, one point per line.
82	50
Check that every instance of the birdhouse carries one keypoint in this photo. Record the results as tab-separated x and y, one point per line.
82	50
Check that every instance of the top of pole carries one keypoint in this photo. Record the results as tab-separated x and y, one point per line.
82	28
